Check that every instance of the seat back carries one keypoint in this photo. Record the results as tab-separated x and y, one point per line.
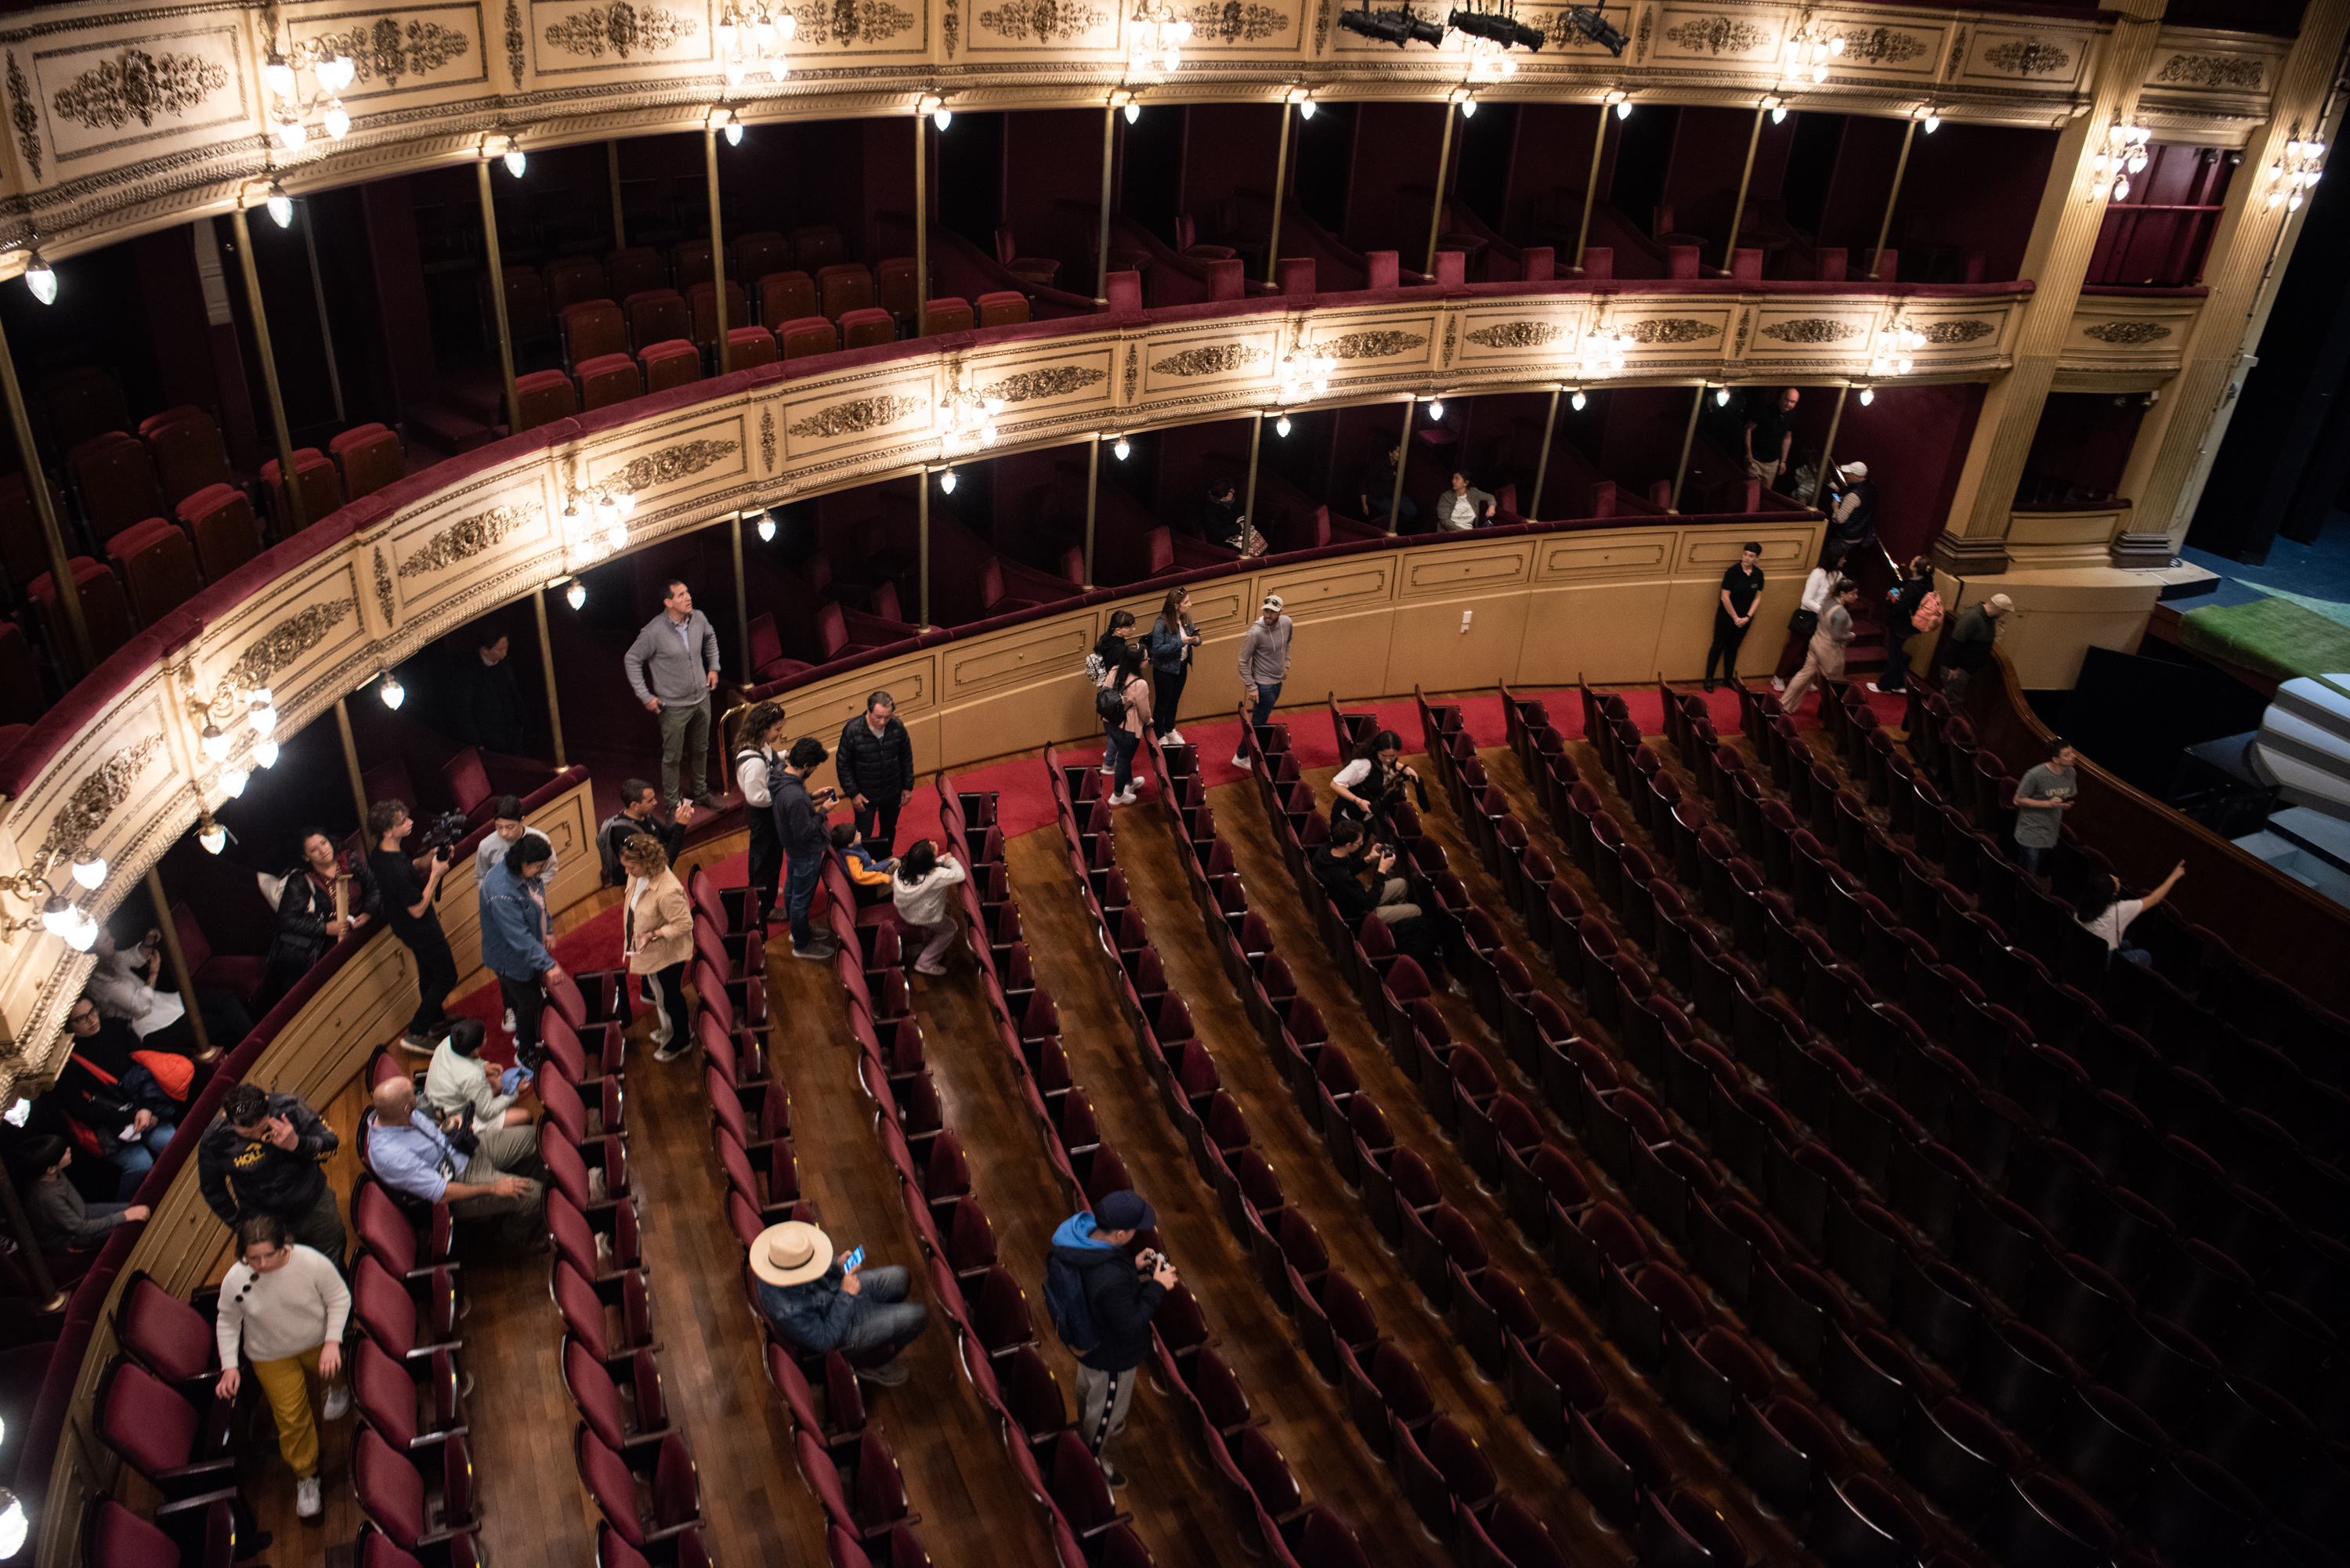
385	1310
105	613
371	458
189	453
385	1395
574	280
605	1476
148	1424
758	255
944	315
785	296
546	395
591	329
1004	307
117	481
844	289
167	1336
227	535
806	336
634	270
656	316
817	246
705	309
158	564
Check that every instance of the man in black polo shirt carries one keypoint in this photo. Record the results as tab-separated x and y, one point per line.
1769	433
408	910
1741	585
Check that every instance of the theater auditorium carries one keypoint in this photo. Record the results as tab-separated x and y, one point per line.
771	822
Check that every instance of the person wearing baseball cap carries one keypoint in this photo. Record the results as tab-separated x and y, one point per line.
1968	647
815	1304
1100	1296
1264	665
1852	519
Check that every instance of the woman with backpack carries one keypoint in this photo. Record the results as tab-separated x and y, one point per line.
1124	704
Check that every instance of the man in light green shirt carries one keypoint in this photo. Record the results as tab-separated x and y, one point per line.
459	1082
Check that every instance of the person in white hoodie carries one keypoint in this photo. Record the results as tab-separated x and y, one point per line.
924	882
283	1306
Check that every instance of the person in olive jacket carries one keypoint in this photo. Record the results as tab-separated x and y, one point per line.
874	766
265	1154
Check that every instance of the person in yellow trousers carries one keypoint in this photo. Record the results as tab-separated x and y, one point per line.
283	1306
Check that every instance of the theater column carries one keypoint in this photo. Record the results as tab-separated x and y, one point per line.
289	473
2181	432
1973	541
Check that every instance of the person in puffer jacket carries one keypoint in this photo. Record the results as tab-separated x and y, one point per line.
1122	1292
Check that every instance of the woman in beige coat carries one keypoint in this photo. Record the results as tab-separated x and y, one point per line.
660	925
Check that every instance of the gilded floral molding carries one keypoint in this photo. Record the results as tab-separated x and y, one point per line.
24	116
2127	334
1369	345
621	27
94	799
1879	45
1517	335
387	50
669	464
1046	21
286	641
768	440
383	599
1213	360
136	84
1231	22
2027	57
1713	35
468	537
2239	73
1056	382
858	416
1966	331
1673	330
1810	330
850	21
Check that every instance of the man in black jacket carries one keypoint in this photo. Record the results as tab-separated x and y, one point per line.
799	823
1339	866
265	1154
1121	1292
874	765
640	812
489	708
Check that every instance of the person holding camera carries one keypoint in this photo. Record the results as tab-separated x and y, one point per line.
641	812
407	908
1371	785
820	1303
1101	1299
1341	862
478	1175
266	1154
799	823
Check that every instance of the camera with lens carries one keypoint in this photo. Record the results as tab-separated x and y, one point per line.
441	830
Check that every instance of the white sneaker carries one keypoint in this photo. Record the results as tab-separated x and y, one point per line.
338	1401
1777	685
509	1024
1874	687
1240	760
1108	771
670	1049
305	1496
1171	738
1125	798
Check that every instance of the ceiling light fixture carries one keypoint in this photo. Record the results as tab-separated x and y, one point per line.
1621	100
1721	396
947	481
1577	400
2291	177
755	42
1436	409
40	278
516	160
575	595
733	128
766	527
280	205
333	72
1121	450
392	692
210	833
1867	395
1778	108
1156	36
1281	426
1305	104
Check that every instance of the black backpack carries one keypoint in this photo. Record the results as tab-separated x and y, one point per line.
1065	1305
1110	704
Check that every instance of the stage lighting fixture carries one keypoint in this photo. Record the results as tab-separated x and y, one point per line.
1398	26
1588	22
1497	27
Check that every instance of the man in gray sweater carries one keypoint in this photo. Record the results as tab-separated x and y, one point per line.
1264	665
673	667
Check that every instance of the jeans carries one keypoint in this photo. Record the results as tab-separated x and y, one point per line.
1122	743
2029	857
320	1228
799	892
1268	695
878	821
436	976
884	1315
1166	696
682	730
1407	514
1897	666
2138	956
137	1158
526	999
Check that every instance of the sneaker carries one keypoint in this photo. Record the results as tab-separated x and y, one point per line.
888	1375
1171	738
1777	685
671	1050
926	969
338	1401
509	1024
305	1496
1873	686
1125	798
1108	771
420	1044
1112	1474
1240	760
819	953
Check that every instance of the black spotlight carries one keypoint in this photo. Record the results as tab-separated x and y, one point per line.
1398	26
1595	27
1499	26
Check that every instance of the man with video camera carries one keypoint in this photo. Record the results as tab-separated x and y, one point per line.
407	908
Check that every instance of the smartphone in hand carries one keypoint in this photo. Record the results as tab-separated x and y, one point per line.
850	1263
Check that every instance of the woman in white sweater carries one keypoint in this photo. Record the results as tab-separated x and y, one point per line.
1819	589
284	1307
924	882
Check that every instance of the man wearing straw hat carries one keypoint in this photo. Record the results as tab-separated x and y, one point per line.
818	1305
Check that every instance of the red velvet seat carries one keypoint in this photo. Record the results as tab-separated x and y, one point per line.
391	1492
672	1501
656	316
608	380
749	346
675	363
226	533
1002	308
371	458
546	395
105	613
117	1538
527	316
157	562
634	270
114	479
322	488
785	296
944	315
1038	270
843	288
817	246
689	263
866	328
896	287
160	1435
809	335
759	254
239	973
188	451
592	330
705	297
164	1332
574	280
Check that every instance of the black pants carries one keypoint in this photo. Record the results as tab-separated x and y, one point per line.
436	976
878	821
665	989
526	999
1727	635
766	863
1166	695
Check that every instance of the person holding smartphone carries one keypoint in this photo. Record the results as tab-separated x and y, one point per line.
819	1303
799	823
1092	1261
409	909
1173	637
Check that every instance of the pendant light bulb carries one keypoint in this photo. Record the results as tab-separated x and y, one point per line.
733	128
1721	396
42	279
392	692
1436	408
90	868
577	594
766	527
290	134
516	160
1578	401
1306	107
232	782
215	742
1868	395
1121	450
1933	123
943	117
211	835
82	935
266	753
947	482
1624	110
280	205
1281	426
1779	114
338	119
1468	109
57	914
278	74
1133	111
264	718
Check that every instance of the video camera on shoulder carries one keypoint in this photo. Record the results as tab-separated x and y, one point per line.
439	832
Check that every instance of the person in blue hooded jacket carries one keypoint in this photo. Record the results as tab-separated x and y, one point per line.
514	941
1122	1291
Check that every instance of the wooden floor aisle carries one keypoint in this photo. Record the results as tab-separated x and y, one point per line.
1174	1495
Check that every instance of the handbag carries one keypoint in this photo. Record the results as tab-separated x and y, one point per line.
1803	622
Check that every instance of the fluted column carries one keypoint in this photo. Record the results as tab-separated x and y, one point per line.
2181	433
1974	541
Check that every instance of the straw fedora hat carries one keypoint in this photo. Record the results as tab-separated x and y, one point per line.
790	1253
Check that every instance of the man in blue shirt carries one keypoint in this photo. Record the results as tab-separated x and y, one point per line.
818	1306
514	941
414	1155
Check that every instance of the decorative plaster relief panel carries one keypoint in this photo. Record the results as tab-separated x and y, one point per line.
568	38
131	86
393	50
